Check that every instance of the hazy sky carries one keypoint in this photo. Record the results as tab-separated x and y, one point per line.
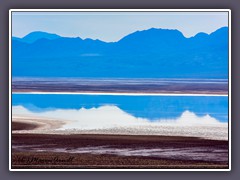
112	26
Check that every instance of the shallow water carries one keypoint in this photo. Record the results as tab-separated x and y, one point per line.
150	107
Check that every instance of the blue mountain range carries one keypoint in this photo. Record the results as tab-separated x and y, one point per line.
34	36
152	53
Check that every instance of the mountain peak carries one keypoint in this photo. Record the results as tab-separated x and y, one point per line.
200	35
220	31
152	34
36	35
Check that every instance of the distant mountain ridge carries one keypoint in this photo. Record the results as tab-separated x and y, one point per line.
36	35
152	53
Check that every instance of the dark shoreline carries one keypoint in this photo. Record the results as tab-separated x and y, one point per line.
48	160
23	126
29	157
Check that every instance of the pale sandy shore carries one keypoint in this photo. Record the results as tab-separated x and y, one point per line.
41	124
38	143
52	126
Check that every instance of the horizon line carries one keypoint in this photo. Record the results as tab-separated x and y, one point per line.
123	94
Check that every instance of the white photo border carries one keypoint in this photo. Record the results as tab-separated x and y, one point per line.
118	10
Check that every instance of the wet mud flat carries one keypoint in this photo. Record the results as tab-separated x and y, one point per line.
116	151
120	86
